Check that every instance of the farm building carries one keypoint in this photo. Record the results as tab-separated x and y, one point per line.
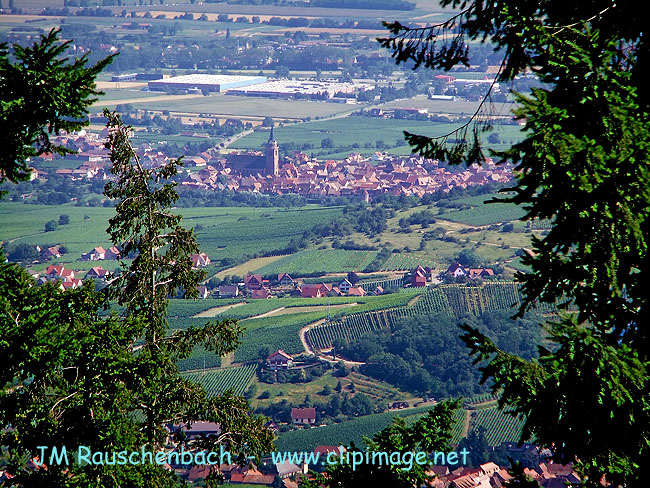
303	415
212	83
279	360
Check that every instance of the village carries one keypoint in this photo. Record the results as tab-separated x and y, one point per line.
263	172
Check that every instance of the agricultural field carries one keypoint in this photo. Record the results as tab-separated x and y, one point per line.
500	427
346	133
218	381
344	433
228	232
220	104
455	300
403	261
319	261
487	214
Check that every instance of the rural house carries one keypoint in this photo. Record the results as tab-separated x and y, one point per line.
262	293
419	277
456	270
200	260
253	282
279	360
475	273
345	286
303	416
311	291
97	254
228	291
112	253
285	280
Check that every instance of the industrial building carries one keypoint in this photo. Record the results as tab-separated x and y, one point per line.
317	90
213	83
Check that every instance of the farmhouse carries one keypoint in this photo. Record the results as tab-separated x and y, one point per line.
228	291
51	253
97	254
475	273
97	273
285	280
419	277
112	253
356	291
262	293
203	292
279	360
456	270
310	291
253	282
303	416
344	286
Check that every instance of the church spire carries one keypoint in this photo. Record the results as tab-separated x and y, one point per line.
272	137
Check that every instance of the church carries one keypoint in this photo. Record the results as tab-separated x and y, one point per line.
267	163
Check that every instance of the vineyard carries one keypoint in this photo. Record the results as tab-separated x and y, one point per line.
369	286
500	427
217	381
320	261
401	262
455	300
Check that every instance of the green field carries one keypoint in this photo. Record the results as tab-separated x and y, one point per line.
344	132
486	214
320	261
228	232
218	381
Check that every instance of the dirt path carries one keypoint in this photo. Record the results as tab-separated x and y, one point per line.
214	311
324	357
302	309
303	339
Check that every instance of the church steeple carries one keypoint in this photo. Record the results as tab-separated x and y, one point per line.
272	155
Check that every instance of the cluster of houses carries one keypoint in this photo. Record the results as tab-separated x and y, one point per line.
68	278
257	287
457	270
491	475
101	254
356	175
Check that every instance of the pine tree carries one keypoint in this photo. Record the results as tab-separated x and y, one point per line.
584	164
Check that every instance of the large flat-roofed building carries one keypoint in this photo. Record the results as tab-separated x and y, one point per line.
317	90
213	83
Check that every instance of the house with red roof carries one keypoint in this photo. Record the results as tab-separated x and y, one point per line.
279	360
456	270
97	254
51	253
356	291
97	273
419	277
476	273
310	291
253	281
112	253
285	280
303	416
200	260
261	294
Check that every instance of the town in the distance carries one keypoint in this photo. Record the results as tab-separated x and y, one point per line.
349	260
